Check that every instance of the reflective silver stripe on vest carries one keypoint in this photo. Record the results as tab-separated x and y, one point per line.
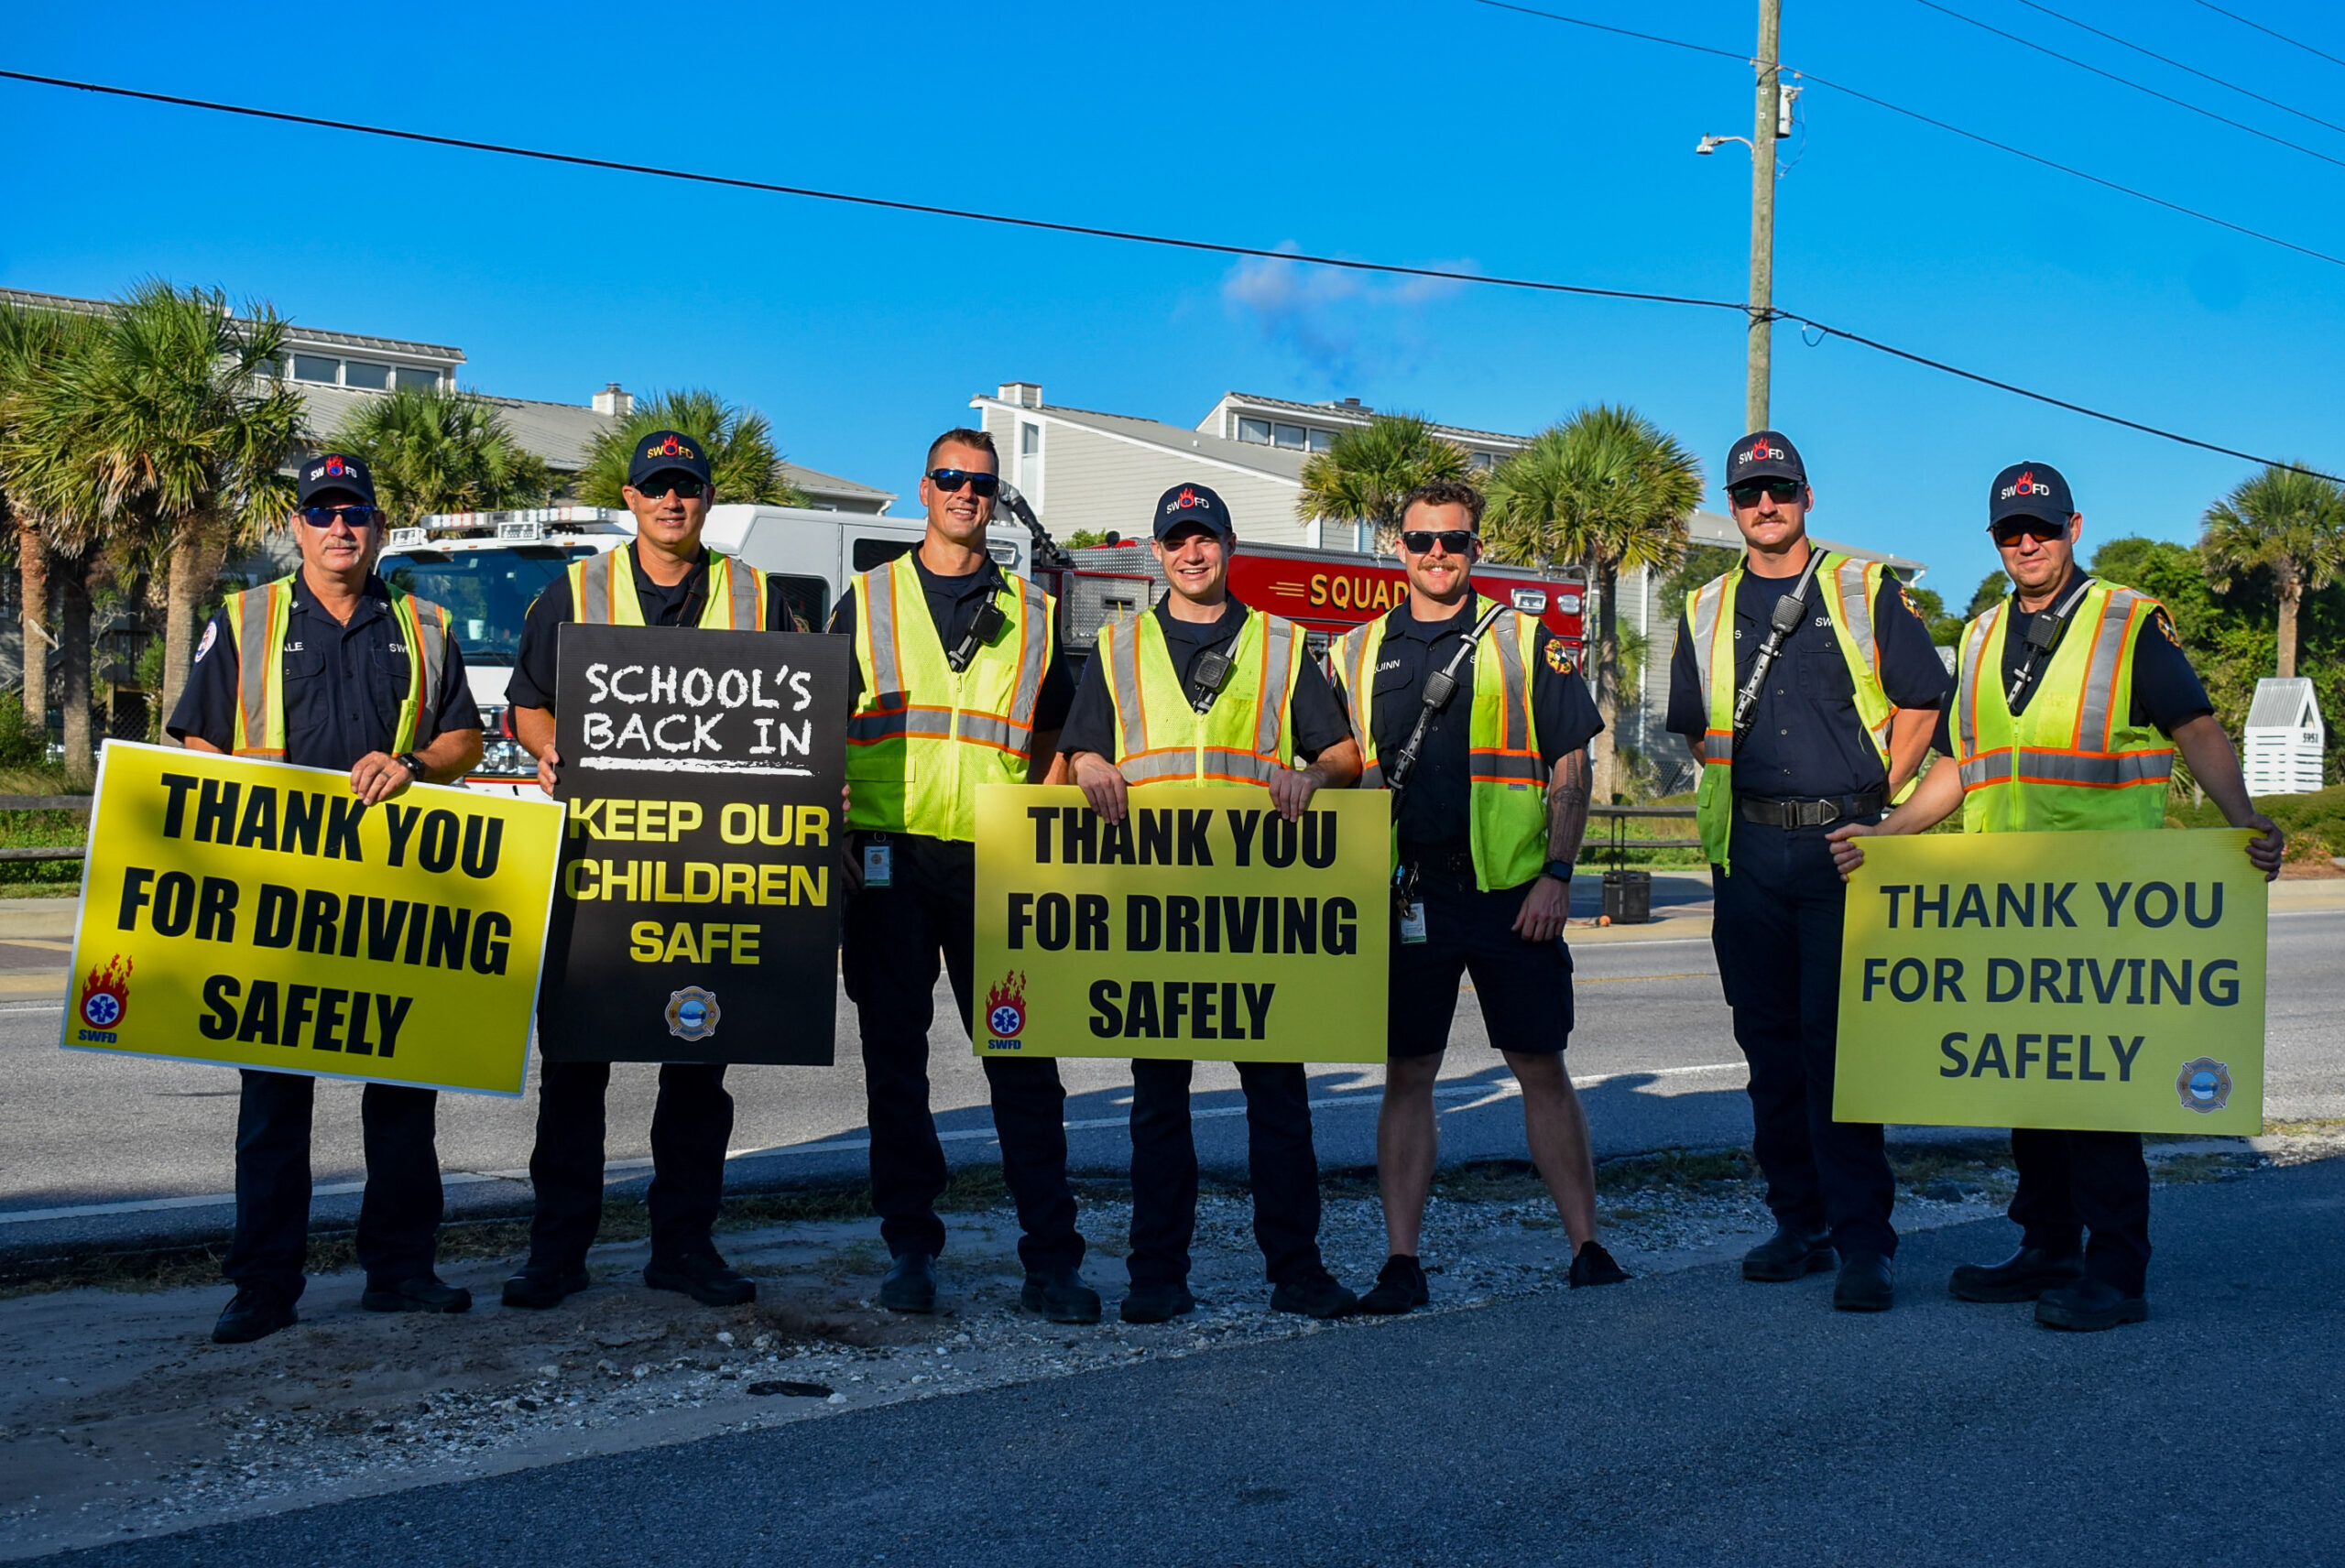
1278	647
744	581
1351	661
1163	765
2106	772
876	590
595	587
1123	675
1965	722
1035	658
1857	612
2093	714
896	723
987	731
1507	767
1514	728
255	631
1705	631
1994	767
433	632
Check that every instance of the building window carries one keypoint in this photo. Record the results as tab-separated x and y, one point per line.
361	372
407	380
1483	460
1029	441
309	367
1321	440
1290	437
1258	431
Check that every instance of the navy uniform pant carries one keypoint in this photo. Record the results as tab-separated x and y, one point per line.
2071	1182
1777	933
894	939
398	1216
691	1125
1281	1164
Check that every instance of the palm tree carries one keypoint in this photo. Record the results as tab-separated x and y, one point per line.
741	453
186	426
432	450
1364	474
1609	490
2286	519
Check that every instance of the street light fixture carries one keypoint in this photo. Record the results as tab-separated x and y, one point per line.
1709	143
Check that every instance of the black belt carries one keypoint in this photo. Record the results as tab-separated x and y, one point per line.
1456	859
1808	813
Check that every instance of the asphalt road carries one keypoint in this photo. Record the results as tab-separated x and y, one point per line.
1654	1052
1686	1418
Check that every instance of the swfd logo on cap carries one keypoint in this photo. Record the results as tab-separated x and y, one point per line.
2025	484
670	447
1182	502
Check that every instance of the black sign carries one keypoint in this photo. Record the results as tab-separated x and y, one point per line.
696	916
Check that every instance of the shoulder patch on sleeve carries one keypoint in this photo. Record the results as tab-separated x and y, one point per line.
210	636
2164	624
1559	658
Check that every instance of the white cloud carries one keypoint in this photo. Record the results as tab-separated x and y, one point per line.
1343	323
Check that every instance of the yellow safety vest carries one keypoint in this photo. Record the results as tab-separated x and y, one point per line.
1160	738
922	738
257	621
1507	818
2074	759
603	595
1851	589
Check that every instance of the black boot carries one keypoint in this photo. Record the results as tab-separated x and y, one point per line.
2022	1277
1059	1295
1314	1295
424	1293
541	1285
2088	1306
704	1277
1868	1283
1157	1303
1788	1255
254	1314
911	1284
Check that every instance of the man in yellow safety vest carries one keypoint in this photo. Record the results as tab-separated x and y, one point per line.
1473	716
663	577
334	668
955	684
1202	690
2072	697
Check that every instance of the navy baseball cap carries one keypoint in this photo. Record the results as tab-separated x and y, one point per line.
2029	490
335	471
1186	504
662	451
1764	454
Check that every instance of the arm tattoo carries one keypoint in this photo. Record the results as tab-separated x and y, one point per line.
1567	807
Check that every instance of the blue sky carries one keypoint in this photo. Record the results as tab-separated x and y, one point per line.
1441	132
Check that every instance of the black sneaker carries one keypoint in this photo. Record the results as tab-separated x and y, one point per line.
2022	1277
704	1277
911	1284
1315	1295
538	1285
424	1293
2090	1306
1059	1295
1157	1303
1788	1255
1399	1287
253	1315
1591	1265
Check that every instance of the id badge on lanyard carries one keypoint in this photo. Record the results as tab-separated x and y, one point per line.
1413	923
878	864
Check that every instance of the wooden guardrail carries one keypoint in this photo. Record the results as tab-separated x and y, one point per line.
45	803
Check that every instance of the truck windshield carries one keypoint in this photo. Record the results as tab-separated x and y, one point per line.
485	591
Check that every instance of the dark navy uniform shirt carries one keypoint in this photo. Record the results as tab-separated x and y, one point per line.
1317	718
1805	741
1434	808
536	660
343	685
953	602
2166	692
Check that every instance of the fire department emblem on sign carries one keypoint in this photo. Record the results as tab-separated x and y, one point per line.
1006	1012
2204	1086
105	1000
692	1013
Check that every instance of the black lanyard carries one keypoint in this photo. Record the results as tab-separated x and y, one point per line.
2043	633
1790	610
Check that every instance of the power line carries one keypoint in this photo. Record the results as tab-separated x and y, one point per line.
2178	65
1133	238
1951	129
2140	87
1736	55
2260	27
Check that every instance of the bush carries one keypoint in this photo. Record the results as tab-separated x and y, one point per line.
2315	823
23	744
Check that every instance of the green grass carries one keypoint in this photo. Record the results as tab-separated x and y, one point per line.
29	830
2315	823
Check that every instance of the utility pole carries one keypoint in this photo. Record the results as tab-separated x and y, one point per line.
1763	131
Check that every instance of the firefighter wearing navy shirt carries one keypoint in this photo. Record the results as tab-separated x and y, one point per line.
331	667
663	577
1806	686
2031	676
1491	784
1203	690
955	682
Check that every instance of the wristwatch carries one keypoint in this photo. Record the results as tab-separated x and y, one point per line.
1561	870
412	763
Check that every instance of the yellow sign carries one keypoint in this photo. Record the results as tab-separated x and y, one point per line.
2098	981
253	914
1205	925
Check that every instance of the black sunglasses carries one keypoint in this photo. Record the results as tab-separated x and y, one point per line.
358	518
950	480
659	486
2040	529
1457	542
1783	492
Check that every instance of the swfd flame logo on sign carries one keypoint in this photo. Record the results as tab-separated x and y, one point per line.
1006	1012
105	1001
